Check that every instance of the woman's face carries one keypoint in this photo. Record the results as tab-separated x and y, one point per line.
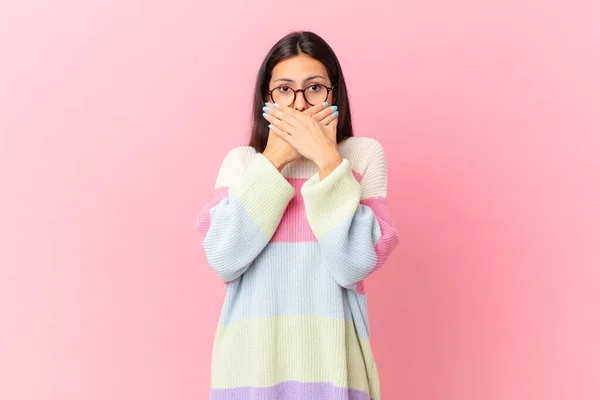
300	72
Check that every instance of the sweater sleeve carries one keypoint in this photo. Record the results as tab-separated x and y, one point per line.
350	219
246	209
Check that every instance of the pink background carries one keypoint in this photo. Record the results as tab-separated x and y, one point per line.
114	117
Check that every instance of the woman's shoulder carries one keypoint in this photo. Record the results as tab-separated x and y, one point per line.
361	146
234	163
361	151
239	156
242	151
361	141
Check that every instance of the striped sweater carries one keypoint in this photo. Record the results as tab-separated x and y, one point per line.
294	251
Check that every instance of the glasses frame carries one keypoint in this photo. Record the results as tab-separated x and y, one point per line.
329	89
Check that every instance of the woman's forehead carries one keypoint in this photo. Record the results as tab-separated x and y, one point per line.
299	69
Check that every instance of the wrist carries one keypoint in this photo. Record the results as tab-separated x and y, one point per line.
277	162
329	164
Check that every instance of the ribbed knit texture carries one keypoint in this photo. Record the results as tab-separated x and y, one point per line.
294	251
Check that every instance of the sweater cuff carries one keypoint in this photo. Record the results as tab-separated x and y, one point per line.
264	193
332	200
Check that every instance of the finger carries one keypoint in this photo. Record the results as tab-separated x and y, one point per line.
331	129
326	120
313	110
280	112
333	124
299	118
323	114
281	125
284	135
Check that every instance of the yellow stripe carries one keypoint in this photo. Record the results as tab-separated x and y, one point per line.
263	352
331	200
264	193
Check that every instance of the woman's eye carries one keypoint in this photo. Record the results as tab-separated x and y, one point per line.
284	89
315	88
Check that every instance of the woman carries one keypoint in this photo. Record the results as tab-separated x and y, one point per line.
298	221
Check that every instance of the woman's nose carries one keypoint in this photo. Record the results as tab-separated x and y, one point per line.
300	103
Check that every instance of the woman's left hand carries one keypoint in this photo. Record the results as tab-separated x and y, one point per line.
310	138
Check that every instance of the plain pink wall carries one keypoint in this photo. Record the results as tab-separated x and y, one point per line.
114	117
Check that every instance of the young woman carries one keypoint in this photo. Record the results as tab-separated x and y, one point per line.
299	219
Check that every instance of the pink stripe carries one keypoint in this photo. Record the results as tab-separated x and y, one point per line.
203	221
360	287
294	225
389	236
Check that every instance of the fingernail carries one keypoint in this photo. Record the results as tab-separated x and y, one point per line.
265	108
265	115
333	108
335	114
275	105
325	104
270	126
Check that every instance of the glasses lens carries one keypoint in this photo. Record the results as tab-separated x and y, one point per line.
315	94
283	95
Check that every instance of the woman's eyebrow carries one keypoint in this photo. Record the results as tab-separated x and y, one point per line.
284	80
310	78
305	80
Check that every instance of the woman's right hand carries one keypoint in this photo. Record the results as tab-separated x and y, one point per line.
279	152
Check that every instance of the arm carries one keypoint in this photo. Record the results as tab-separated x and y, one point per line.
350	219
244	213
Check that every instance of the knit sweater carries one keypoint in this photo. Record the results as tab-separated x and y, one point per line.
294	252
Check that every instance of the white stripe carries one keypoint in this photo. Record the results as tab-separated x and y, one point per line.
363	153
233	166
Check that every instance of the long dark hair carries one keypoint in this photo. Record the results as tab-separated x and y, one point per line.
294	44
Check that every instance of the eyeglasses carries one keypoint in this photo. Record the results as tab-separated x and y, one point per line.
313	94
